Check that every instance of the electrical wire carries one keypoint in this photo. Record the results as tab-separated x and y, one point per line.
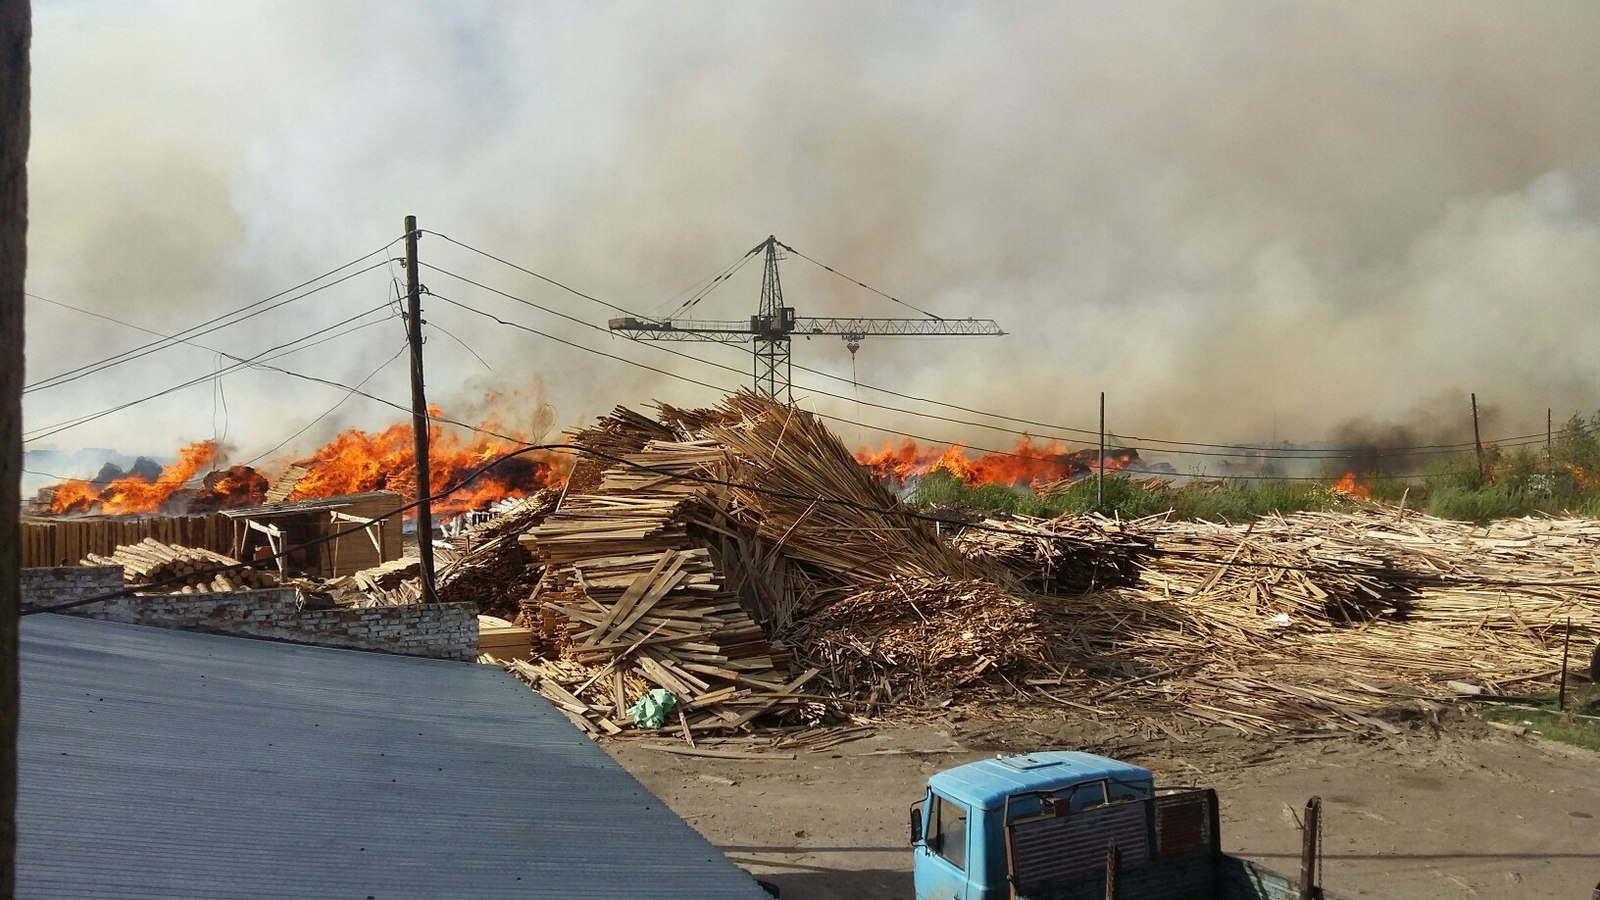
350	392
255	361
1223	450
198	330
828	416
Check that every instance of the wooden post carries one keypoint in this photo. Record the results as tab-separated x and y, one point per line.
1566	645
15	26
1476	440
1113	871
1100	477
1310	850
419	413
1549	432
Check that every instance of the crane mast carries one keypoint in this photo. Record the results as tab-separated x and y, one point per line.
771	329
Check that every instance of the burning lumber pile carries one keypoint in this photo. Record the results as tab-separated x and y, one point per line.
1067	554
154	566
488	566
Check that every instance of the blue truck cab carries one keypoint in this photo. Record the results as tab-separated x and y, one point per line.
1066	825
959	827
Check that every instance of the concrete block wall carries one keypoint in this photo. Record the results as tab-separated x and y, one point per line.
436	630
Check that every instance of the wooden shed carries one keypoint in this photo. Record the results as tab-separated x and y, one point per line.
270	529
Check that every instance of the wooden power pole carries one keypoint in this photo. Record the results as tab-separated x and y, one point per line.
15	25
1477	441
419	412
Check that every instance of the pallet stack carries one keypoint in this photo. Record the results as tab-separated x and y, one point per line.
166	568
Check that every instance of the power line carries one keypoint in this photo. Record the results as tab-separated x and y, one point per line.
349	392
254	361
723	389
1227	450
193	331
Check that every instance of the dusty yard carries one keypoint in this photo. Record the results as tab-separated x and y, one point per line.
1469	812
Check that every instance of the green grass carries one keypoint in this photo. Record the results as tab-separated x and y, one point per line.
1544	720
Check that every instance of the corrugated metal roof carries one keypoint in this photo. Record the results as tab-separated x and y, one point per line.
315	504
167	764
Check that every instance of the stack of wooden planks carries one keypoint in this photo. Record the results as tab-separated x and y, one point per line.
628	602
155	566
488	566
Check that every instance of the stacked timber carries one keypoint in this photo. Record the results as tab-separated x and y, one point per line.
153	566
487	565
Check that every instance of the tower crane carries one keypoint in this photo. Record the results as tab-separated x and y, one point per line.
770	329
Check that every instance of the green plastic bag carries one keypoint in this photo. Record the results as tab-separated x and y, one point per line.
651	709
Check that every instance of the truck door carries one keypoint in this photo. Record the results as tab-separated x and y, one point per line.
942	857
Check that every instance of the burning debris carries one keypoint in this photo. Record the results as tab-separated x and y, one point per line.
1027	465
354	462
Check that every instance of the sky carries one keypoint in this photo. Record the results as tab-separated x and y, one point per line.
1244	222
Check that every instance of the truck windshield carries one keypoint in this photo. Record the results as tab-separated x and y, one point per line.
947	828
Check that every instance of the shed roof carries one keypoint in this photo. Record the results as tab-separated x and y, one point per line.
315	504
168	764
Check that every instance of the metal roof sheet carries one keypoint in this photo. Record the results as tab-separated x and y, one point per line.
987	782
168	764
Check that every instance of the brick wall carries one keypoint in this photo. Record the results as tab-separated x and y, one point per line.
437	630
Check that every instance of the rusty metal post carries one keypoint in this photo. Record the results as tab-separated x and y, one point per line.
1310	850
1113	871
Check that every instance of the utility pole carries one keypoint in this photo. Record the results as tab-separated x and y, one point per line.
1477	441
1549	432
419	412
16	22
1100	477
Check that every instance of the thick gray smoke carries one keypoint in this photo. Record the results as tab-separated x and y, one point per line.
1244	221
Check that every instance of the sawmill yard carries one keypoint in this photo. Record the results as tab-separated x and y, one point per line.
812	648
827	648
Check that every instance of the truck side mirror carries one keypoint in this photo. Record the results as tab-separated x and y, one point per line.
916	823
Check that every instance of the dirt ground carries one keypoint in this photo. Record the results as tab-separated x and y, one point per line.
1466	811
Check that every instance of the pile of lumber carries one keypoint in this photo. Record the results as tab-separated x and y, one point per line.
1067	554
487	565
629	602
166	568
907	642
1332	622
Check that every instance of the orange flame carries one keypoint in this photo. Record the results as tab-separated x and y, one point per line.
1349	485
131	494
357	461
1029	463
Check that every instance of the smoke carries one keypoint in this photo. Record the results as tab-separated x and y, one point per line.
1244	222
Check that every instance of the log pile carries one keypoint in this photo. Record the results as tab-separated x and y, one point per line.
154	566
488	566
1067	554
743	561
